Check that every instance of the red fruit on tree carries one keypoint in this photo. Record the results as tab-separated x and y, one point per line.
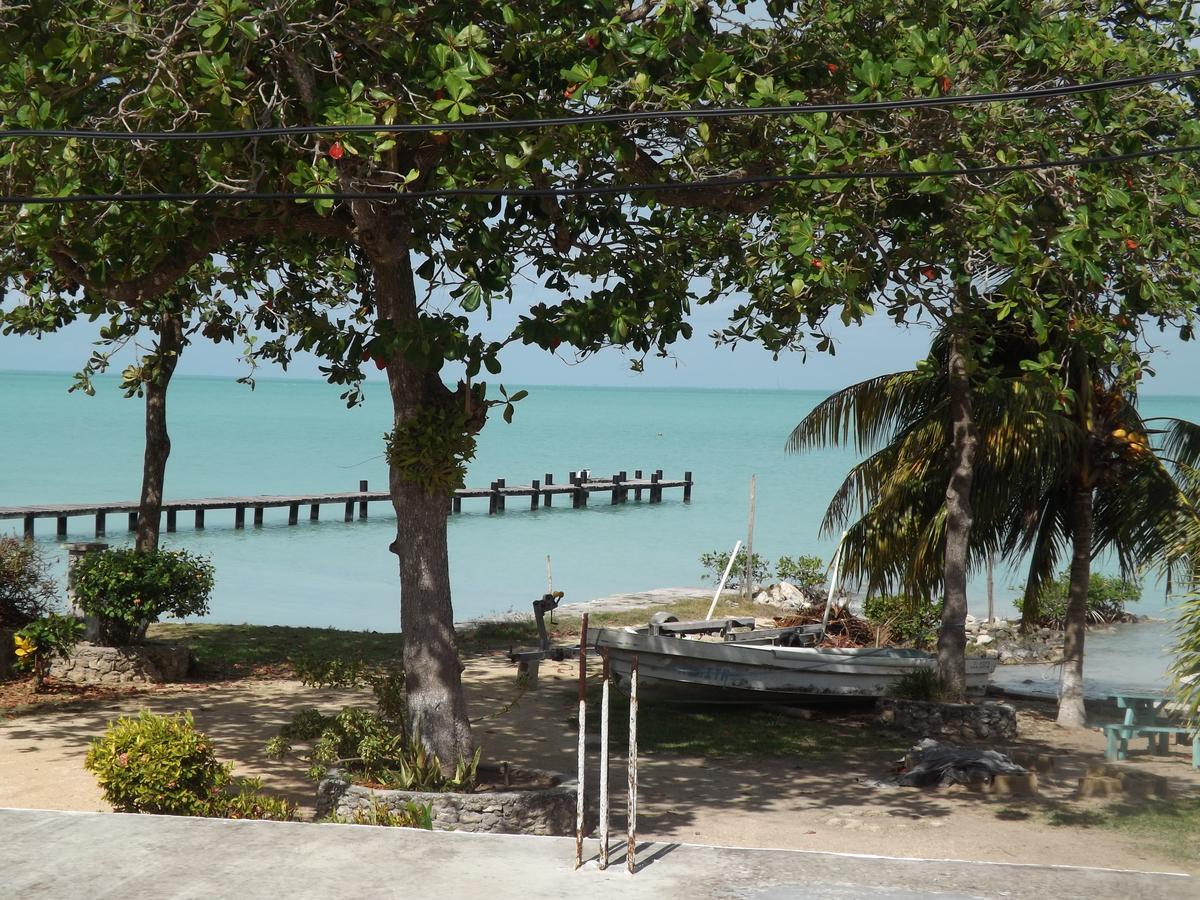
1131	243
1129	182
929	272
380	364
570	91
945	83
439	94
336	151
554	343
832	67
818	263
592	42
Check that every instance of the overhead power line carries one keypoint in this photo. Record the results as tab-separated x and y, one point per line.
718	112
608	189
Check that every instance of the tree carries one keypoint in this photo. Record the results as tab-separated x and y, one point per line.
1106	236
1084	480
422	271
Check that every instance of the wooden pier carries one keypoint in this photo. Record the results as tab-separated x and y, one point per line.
577	488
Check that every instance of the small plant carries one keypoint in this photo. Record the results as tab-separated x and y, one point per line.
41	641
371	748
27	590
158	764
1107	596
412	815
715	562
386	682
919	684
128	589
244	799
805	572
908	620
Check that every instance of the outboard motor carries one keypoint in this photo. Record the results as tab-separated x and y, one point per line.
547	604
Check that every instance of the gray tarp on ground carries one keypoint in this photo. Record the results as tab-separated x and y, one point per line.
930	763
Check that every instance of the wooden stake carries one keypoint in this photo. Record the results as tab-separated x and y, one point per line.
750	544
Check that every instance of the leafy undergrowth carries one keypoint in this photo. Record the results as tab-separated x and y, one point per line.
737	731
1171	826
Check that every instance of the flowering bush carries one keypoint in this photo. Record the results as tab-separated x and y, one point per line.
39	642
128	589
162	764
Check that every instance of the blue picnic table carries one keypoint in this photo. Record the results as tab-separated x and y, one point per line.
1144	717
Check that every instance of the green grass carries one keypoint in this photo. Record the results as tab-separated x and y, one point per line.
232	650
229	650
1170	826
739	731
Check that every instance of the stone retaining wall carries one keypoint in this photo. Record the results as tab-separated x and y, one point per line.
1002	640
153	662
965	721
545	811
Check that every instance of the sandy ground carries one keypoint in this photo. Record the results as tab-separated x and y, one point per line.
804	803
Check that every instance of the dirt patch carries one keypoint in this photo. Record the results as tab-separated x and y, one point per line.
831	796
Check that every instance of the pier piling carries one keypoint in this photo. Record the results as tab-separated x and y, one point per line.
362	506
100	524
170	520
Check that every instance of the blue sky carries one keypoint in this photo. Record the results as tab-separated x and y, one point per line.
876	347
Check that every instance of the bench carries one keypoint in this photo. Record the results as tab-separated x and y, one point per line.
1119	734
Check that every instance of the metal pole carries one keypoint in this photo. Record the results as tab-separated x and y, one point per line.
720	587
631	852
582	741
604	762
750	544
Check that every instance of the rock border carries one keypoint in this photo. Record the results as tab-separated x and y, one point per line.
540	811
967	721
153	662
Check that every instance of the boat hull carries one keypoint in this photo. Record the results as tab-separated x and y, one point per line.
670	668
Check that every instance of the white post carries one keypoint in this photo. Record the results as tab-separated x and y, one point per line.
579	798
631	851
720	587
833	583
604	763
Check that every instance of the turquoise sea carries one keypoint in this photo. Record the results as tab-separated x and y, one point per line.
296	436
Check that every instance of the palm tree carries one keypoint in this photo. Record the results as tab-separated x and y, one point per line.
1055	473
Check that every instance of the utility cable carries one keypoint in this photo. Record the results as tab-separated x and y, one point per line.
612	117
606	189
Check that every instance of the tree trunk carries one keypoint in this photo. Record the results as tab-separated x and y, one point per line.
952	636
1071	711
437	709
158	442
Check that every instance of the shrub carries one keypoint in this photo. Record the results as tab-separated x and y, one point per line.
907	620
805	572
370	748
716	561
128	589
919	684
1107	596
158	764
27	591
39	642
